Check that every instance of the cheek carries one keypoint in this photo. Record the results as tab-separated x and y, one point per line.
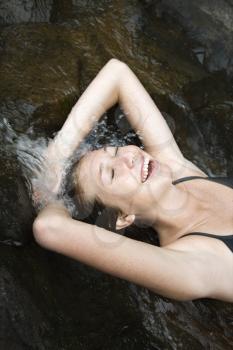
127	188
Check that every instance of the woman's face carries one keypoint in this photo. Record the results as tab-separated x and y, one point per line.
124	177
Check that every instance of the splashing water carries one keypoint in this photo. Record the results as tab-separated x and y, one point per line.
26	149
29	150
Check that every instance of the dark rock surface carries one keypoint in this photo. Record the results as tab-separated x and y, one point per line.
48	301
35	77
211	101
51	302
16	214
18	11
209	23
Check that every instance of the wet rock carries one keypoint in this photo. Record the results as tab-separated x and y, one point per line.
45	304
38	87
18	11
36	80
208	22
16	212
211	101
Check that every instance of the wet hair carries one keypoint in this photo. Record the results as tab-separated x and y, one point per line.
91	210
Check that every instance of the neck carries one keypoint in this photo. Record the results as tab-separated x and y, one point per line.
177	213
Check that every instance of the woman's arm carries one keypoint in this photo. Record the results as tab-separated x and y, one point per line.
114	83
100	95
176	274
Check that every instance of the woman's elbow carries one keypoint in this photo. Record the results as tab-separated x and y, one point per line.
43	231
116	64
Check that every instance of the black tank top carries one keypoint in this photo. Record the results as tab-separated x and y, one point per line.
228	240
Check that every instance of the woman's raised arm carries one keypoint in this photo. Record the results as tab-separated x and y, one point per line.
117	83
100	95
114	83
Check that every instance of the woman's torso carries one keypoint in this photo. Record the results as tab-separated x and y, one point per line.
214	239
217	194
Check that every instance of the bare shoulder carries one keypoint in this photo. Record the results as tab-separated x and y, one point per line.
214	263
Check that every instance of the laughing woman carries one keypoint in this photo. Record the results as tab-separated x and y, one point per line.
191	212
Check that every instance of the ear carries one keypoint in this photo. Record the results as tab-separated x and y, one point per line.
124	220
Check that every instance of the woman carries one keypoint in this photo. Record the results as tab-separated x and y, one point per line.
156	186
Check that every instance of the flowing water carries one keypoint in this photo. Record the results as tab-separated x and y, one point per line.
30	152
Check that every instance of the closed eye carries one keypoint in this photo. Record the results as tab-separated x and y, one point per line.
113	172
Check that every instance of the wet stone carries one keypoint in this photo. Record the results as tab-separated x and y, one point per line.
209	23
18	11
16	211
46	304
211	101
35	76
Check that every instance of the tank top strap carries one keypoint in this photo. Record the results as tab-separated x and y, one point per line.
187	178
227	239
227	181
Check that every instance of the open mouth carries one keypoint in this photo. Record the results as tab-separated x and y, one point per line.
147	169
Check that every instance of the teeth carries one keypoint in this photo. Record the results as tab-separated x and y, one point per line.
145	170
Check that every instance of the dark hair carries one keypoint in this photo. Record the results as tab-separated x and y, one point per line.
90	210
